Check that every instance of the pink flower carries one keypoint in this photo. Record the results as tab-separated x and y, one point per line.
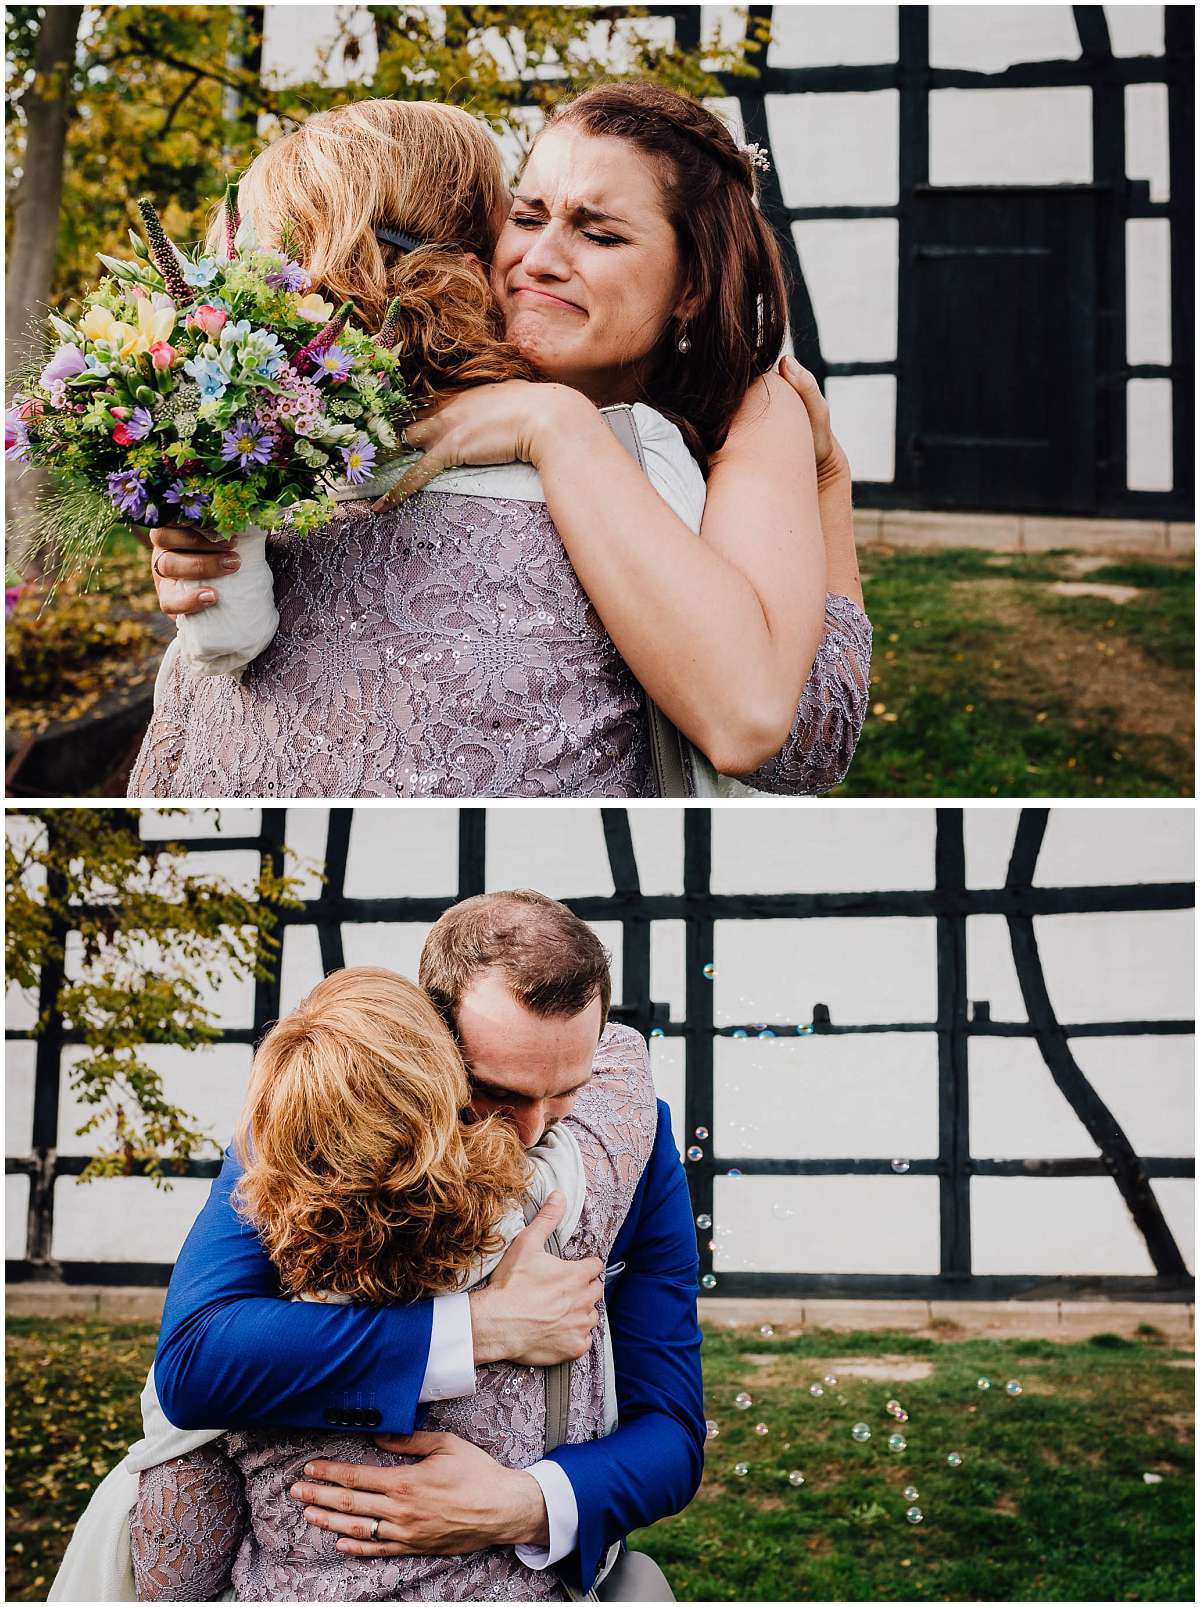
122	436
211	320
162	355
31	409
119	412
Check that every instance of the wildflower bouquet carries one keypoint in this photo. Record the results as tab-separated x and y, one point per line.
209	390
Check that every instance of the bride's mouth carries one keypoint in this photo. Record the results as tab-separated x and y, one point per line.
545	297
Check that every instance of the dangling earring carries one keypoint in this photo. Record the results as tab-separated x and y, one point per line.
683	345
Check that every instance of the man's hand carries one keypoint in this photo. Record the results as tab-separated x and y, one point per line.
537	1309
458	1499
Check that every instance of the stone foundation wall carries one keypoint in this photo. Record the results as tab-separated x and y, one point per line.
1014	532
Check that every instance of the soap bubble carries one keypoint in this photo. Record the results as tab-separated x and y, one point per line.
765	1032
657	1032
892	1407
741	1469
702	1132
915	1515
831	1380
815	1389
954	1460
704	1220
861	1433
743	1401
734	1171
710	970
796	1478
781	1212
739	1032
767	1331
708	1281
1152	1478
901	1416
1013	1387
911	1492
897	1442
983	1383
695	1153
712	1429
761	1428
804	1031
901	1165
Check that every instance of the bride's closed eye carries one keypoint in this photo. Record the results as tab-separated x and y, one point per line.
529	220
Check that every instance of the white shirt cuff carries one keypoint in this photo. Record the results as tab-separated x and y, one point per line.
563	1513
450	1370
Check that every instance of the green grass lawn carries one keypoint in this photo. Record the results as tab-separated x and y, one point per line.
986	682
1048	1504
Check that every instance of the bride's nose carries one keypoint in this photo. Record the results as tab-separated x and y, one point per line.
548	256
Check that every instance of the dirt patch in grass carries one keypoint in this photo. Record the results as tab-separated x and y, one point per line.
1007	1507
1097	676
899	1369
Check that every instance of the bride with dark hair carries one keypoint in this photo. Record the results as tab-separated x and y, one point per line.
654	537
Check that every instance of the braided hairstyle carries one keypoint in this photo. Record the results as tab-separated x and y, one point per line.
733	272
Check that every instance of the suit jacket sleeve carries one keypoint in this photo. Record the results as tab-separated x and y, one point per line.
232	1353
651	1465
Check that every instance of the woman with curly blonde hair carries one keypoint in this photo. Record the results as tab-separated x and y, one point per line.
528	621
367	1180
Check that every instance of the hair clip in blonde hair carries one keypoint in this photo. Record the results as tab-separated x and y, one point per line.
758	157
398	237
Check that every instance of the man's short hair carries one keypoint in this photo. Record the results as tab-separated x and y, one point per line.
553	962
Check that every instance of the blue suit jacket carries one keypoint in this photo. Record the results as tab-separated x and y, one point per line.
232	1353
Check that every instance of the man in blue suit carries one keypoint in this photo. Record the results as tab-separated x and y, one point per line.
525	987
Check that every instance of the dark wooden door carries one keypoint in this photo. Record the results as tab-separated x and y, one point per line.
1003	350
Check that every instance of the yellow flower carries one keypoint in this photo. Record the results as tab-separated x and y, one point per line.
314	309
154	324
98	324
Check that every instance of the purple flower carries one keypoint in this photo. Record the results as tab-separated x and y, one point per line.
290	277
66	362
359	458
16	438
127	489
190	501
247	443
11	597
333	364
138	425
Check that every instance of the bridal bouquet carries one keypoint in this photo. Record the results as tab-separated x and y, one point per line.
210	390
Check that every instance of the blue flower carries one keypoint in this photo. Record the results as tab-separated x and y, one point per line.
127	491
246	442
201	273
209	375
290	277
359	458
334	363
190	501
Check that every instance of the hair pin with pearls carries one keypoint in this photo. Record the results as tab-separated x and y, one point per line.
758	157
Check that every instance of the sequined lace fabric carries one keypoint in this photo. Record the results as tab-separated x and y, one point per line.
446	649
222	1514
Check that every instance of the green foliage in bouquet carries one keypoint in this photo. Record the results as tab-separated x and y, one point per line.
124	938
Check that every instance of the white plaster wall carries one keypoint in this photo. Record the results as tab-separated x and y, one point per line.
867	1096
1148	410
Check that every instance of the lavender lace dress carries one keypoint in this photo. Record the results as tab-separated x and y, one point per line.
222	1514
446	649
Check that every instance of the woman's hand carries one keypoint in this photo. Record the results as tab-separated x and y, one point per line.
832	461
497	423
182	553
834	486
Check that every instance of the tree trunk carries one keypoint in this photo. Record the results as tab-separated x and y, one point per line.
35	208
